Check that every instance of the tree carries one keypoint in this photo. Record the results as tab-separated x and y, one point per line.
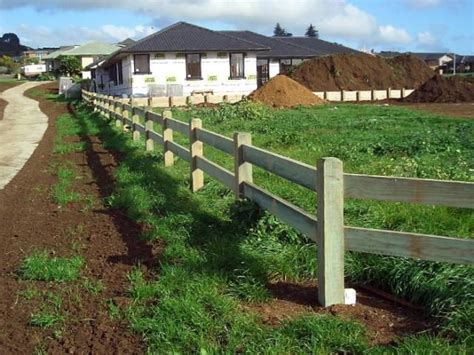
312	32
69	65
29	60
10	64
279	31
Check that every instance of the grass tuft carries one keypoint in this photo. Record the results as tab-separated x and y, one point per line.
42	267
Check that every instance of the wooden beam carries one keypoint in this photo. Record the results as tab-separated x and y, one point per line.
242	169
167	137
219	173
423	191
149	144
330	231
410	245
292	170
215	140
287	212
196	150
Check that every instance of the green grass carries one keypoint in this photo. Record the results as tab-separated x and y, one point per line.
42	266
220	253
62	190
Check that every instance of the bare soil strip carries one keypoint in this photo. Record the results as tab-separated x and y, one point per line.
30	220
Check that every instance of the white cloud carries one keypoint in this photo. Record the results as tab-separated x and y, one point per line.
393	35
426	39
336	19
40	36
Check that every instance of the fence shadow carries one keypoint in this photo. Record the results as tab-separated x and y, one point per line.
219	240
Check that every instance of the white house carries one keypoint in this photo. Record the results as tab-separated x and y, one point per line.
180	60
183	59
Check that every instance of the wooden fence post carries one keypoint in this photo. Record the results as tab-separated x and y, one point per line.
403	94
149	145
167	137
124	117
330	231
135	120
389	93
242	170
118	114
196	149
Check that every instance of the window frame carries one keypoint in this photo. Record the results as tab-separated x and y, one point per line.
200	66
243	66
135	72
120	72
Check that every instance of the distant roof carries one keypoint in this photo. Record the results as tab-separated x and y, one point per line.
185	37
126	42
93	48
278	48
318	45
429	55
60	51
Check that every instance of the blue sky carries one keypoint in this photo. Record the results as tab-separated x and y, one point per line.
406	25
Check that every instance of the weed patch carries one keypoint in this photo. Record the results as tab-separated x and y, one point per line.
43	267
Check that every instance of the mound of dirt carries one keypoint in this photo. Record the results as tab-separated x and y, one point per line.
281	91
362	72
444	89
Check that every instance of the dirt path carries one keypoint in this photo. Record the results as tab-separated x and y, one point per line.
21	129
30	220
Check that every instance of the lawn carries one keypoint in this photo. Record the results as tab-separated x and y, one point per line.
221	254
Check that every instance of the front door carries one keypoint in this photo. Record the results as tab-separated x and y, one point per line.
263	71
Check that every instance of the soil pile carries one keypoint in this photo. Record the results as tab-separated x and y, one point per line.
362	72
444	89
281	91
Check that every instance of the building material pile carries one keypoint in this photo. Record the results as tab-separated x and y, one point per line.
362	72
283	92
441	89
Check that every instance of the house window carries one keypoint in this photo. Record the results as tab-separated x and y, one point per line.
141	64
193	66
113	74
120	72
237	66
296	61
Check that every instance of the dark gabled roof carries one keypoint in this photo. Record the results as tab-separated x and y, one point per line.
279	49
429	56
318	45
185	37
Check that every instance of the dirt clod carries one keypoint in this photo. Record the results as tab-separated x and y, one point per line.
282	91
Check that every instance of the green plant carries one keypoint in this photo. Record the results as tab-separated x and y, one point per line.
69	65
44	267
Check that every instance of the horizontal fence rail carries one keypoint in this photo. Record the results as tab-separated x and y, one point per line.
424	191
328	181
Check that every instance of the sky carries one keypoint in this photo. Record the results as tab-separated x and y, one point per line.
397	25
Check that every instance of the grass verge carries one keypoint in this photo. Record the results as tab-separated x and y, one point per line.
220	253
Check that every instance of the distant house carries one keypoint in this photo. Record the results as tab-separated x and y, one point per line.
39	53
184	58
436	61
88	53
52	59
464	64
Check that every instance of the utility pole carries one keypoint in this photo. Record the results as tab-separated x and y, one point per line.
454	67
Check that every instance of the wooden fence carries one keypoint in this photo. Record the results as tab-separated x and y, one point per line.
327	179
